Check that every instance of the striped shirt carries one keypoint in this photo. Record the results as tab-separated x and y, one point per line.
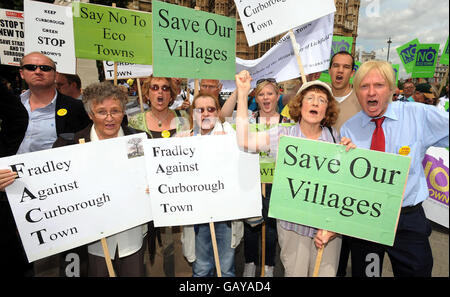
295	131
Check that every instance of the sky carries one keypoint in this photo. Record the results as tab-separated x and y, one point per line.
403	21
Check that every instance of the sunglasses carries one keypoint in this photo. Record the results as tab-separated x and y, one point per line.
156	88
272	80
202	109
32	67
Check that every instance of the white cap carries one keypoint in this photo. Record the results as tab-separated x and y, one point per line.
315	83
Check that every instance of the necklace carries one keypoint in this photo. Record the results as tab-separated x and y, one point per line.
160	121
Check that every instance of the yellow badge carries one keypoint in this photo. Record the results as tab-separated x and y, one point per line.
61	112
165	134
404	150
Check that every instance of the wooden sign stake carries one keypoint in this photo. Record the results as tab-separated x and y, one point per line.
216	253
319	258
138	81
297	55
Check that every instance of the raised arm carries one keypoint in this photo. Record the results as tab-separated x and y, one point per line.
251	141
227	109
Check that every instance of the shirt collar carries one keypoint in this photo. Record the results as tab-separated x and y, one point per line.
390	113
25	97
94	136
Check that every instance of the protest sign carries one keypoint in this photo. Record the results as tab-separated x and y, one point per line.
192	44
12	37
261	18
357	193
126	70
444	56
201	179
435	166
71	196
280	61
407	53
339	44
49	30
112	34
425	60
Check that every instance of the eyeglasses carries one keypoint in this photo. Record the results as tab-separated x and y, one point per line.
103	114
310	100
156	88
202	109
272	80
32	67
396	95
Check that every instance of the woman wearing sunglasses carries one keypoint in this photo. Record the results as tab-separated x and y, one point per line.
314	109
197	246
159	121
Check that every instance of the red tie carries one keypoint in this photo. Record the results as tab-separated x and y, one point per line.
378	142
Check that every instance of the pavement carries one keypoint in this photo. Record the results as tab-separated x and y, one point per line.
176	264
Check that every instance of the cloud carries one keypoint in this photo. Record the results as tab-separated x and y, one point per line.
403	21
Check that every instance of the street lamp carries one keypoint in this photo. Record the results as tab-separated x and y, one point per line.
389	48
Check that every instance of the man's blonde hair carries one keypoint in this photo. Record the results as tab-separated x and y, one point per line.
383	67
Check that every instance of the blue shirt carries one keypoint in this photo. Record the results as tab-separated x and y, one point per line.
41	130
415	125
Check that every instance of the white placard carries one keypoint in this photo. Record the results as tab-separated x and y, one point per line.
12	41
126	70
201	179
280	62
436	172
49	30
73	195
264	19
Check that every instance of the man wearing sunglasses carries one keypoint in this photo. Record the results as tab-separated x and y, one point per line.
50	113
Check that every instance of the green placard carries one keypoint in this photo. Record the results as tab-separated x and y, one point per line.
192	44
407	53
112	34
444	57
425	60
357	193
339	44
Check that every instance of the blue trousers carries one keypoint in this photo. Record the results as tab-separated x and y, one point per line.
204	265
410	255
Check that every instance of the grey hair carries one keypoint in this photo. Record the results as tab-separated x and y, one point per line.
97	92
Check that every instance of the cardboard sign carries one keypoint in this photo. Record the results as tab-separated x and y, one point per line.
12	37
357	193
435	166
425	60
445	55
126	70
192	44
262	19
201	179
280	61
49	30
407	54
112	34
71	196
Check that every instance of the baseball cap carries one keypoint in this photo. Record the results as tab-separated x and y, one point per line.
426	89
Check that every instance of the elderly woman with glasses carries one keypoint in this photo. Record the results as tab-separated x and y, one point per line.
105	105
197	245
315	110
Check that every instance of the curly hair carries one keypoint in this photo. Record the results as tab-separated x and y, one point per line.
148	83
97	92
331	114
